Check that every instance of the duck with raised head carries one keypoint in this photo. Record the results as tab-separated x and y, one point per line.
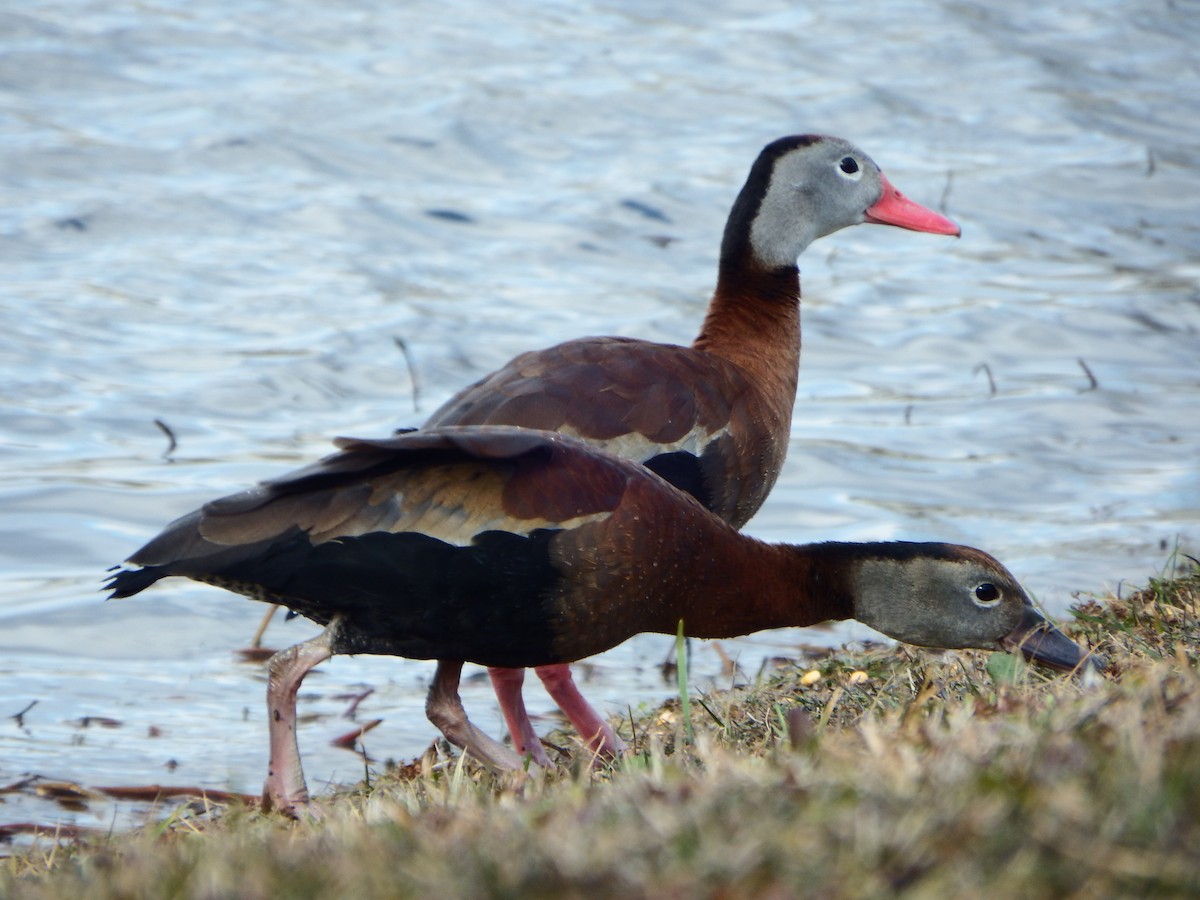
713	418
513	548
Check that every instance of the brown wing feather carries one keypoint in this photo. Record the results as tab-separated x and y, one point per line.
641	401
602	389
451	485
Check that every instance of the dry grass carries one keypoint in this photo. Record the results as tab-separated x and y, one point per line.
927	775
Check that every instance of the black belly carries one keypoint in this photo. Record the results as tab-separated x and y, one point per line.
415	596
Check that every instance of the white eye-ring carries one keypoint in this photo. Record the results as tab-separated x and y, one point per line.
849	168
987	594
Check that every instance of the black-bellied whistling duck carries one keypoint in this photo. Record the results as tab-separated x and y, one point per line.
713	418
514	548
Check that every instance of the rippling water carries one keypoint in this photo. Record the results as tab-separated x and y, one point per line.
223	216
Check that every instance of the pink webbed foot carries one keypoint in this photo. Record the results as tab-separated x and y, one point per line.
285	790
507	683
598	736
444	708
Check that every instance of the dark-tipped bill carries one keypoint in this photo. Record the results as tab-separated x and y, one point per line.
1041	642
894	208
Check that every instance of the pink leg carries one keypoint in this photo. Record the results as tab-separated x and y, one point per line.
445	710
285	789
596	733
507	684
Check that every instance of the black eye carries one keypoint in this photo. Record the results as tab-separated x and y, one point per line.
849	165
987	593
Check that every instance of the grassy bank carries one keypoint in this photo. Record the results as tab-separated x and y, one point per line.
883	772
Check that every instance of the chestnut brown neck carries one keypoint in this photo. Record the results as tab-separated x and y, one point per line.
772	586
753	321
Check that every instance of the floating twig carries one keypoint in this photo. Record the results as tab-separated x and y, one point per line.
102	721
645	209
256	641
355	700
412	373
1092	382
984	367
171	442
660	240
255	654
20	785
64	793
20	716
350	738
946	190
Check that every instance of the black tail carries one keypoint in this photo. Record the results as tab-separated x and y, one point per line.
128	582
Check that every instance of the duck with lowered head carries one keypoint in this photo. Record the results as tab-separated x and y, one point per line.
513	547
